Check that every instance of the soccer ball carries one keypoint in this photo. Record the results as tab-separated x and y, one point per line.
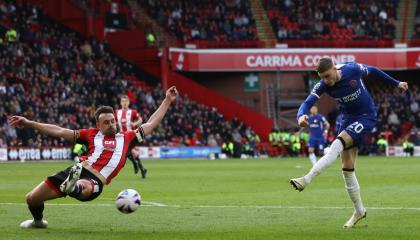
128	200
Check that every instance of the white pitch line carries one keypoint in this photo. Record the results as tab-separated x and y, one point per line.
224	206
75	204
155	204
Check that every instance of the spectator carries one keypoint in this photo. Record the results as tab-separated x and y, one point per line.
414	107
282	33
3	143
393	119
211	20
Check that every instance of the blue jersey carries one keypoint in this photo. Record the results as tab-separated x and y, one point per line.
350	92
356	105
316	124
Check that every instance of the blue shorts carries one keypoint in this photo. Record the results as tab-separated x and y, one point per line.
357	127
317	143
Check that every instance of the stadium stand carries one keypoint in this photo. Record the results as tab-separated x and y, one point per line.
207	23
333	20
53	75
48	64
398	114
118	14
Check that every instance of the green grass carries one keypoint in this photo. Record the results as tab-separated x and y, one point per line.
223	199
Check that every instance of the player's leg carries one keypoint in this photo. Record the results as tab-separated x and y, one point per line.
78	182
348	158
311	150
35	200
86	187
312	156
83	189
143	170
136	156
134	160
337	147
320	147
71	176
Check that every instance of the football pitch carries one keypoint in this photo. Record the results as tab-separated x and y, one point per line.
223	199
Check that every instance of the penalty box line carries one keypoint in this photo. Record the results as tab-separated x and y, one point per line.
155	204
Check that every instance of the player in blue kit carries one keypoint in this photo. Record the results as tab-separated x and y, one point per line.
344	83
318	125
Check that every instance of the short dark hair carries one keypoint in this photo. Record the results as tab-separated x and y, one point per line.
103	109
324	64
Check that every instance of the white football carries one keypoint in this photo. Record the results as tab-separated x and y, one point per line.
128	200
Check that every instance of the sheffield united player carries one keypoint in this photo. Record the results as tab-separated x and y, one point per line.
105	158
128	119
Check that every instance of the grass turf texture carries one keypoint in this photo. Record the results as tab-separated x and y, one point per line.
223	199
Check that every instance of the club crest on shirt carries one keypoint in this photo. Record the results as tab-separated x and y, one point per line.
353	83
109	145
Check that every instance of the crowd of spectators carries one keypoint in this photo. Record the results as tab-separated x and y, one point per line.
398	113
55	76
212	20
50	74
332	20
118	14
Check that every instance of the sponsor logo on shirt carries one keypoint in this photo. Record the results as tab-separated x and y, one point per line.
109	145
351	97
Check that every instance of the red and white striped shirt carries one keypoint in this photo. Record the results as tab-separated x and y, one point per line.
126	118
107	154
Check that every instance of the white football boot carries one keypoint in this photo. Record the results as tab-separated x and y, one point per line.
74	175
354	219
34	224
298	183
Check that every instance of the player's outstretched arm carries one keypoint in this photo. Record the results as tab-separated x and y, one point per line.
158	115
380	75
303	121
302	116
43	128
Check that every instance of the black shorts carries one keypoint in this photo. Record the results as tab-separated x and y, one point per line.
56	180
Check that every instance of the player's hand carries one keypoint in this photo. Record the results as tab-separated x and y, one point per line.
138	122
172	93
303	121
18	121
403	86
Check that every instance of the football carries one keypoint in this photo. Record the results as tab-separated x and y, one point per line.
128	200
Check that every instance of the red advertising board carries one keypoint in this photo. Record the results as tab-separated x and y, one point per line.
289	59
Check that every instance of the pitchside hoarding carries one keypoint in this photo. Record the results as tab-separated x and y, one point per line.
226	60
27	153
177	152
64	153
398	151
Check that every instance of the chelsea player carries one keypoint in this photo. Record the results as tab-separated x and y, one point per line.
318	125
344	83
